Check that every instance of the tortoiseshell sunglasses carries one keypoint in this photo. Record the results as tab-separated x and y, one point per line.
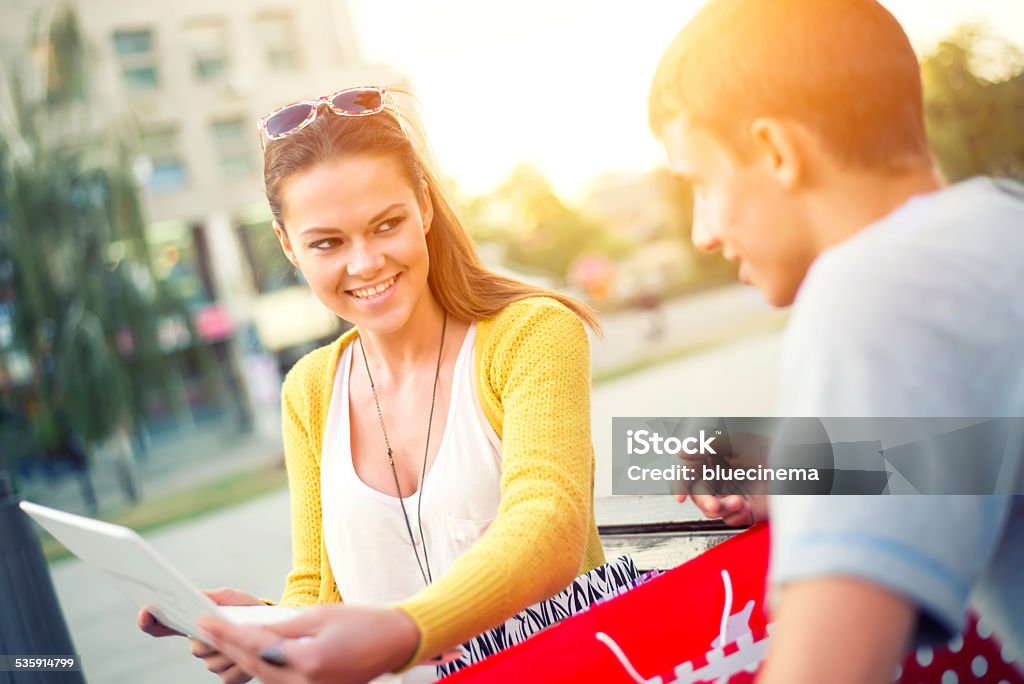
348	102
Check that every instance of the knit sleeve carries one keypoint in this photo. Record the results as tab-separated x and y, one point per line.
303	464
538	364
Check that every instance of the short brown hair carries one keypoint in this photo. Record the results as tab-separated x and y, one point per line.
845	69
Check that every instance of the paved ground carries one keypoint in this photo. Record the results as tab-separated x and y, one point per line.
718	315
248	546
738	379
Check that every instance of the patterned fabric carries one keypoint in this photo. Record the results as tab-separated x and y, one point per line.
974	656
600	584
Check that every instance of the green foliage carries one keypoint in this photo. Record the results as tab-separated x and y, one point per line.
71	305
974	105
72	239
541	232
708	268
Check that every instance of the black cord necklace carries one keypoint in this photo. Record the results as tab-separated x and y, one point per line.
424	565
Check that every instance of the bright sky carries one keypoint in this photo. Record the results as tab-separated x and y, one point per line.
563	83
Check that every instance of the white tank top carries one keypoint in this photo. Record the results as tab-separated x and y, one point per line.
366	537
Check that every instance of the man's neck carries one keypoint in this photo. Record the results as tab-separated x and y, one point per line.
857	200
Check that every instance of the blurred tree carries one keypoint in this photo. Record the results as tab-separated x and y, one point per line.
710	268
542	232
974	104
86	304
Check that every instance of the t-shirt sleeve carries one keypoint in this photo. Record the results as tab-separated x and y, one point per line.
929	549
874	351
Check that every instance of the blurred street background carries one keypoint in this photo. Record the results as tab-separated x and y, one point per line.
147	315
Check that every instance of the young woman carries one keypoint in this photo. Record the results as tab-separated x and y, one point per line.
439	454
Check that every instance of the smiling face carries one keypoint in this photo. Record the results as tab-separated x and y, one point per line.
750	209
356	228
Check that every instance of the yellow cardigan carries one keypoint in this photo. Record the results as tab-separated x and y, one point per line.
532	365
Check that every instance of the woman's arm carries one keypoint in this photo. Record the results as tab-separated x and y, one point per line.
303	464
538	365
538	370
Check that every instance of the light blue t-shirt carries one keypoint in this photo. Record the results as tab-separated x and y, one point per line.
918	315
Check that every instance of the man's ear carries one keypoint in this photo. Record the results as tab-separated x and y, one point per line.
779	145
286	245
426	207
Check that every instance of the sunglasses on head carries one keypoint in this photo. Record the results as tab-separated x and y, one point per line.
348	102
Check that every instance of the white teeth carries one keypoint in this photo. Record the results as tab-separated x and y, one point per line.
369	292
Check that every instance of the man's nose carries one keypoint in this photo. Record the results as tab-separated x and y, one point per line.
704	237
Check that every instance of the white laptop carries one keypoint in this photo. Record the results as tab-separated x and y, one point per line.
134	567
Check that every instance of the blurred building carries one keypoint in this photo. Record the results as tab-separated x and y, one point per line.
632	204
189	78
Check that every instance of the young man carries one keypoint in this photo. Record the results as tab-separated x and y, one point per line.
800	126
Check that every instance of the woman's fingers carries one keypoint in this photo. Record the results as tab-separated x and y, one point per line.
243	643
201	649
148	623
235	675
227	596
218	663
309	622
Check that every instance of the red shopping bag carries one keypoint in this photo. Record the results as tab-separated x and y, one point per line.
671	630
672	621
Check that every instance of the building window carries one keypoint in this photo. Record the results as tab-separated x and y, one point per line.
234	142
278	37
167	168
206	42
178	261
138	59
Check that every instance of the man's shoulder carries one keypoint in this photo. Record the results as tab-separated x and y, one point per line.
958	243
896	320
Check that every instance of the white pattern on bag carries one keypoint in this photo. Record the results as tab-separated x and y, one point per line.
743	653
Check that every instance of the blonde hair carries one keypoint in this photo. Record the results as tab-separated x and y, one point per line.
458	280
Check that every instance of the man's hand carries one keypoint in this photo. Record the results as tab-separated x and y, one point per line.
330	643
735	504
735	510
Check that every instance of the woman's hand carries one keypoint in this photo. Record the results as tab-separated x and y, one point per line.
214	661
329	643
225	596
148	623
